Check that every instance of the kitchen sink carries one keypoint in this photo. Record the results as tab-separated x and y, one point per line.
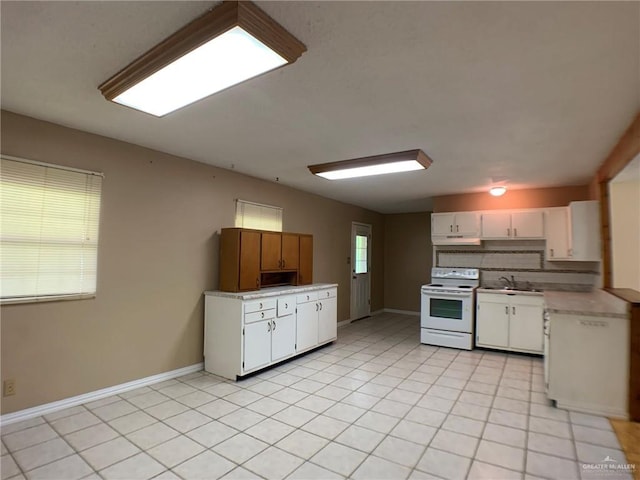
511	289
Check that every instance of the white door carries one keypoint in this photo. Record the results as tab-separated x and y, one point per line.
283	337
496	225
467	223
327	321
526	328
527	224
257	345
557	228
492	324
360	270
307	325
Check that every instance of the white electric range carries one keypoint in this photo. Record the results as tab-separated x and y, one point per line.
448	307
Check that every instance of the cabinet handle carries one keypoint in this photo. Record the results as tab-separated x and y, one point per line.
570	252
282	263
508	232
274	325
451	228
262	315
316	307
268	326
320	305
506	309
551	252
457	228
260	305
513	310
286	306
515	232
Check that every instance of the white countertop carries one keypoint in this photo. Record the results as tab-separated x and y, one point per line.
271	291
596	303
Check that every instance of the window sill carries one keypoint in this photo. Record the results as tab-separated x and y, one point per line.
50	298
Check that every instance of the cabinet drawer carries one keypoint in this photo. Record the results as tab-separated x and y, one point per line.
329	293
264	304
286	306
258	316
307	297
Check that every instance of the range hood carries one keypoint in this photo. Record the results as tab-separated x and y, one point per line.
454	240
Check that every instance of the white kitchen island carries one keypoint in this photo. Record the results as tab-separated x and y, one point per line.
247	331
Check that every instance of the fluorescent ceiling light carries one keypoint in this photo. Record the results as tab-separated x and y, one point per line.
497	191
376	165
226	46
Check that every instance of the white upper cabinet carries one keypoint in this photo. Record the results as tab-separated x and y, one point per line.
463	223
573	232
458	228
512	225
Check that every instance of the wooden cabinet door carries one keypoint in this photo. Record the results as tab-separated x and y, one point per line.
249	277
526	328
527	224
305	266
290	251
496	225
492	324
271	251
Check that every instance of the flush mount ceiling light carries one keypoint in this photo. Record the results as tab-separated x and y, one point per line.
375	165
497	191
232	43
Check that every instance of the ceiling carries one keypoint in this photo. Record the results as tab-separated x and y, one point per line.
534	92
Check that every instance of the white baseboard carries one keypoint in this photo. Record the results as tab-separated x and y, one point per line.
403	312
48	408
344	323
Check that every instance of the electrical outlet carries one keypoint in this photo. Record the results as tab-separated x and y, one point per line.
9	387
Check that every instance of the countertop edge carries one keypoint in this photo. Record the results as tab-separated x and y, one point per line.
597	303
271	291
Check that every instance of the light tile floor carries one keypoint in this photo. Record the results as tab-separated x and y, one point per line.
374	405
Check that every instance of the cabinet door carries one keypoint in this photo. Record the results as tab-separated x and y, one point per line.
257	345
283	337
249	260
305	267
557	226
290	251
527	224
307	325
327	319
496	225
585	231
271	251
492	324
526	328
442	223
467	223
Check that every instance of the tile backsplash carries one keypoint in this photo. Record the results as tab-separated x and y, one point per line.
525	260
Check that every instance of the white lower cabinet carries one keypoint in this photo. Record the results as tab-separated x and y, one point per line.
510	322
244	335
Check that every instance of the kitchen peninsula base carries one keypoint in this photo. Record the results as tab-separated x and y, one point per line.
247	331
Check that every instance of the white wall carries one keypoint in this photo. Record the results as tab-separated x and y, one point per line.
625	233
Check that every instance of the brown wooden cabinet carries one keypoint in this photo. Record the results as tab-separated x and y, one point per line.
250	259
239	259
280	251
305	267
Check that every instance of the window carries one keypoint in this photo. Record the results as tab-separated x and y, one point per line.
258	216
49	219
361	254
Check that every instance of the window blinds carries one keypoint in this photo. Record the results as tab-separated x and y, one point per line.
49	220
258	216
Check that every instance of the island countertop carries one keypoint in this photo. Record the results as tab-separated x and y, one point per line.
271	291
596	303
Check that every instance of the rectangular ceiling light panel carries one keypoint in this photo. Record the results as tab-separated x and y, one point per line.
226	46
376	165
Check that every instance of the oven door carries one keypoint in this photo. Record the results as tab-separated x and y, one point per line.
447	311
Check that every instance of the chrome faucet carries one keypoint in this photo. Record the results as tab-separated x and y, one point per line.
509	283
